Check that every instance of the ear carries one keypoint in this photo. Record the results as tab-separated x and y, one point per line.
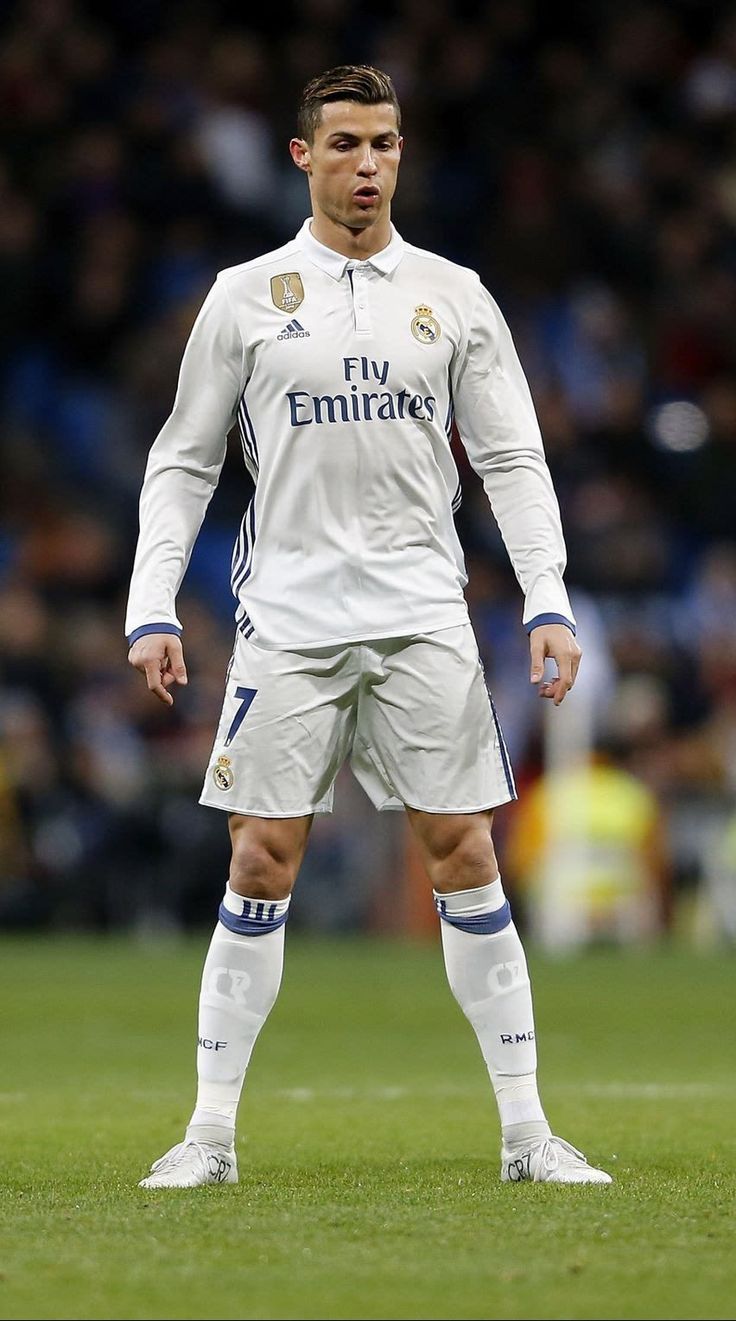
300	154
400	145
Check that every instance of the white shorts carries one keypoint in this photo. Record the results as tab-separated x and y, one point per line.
413	715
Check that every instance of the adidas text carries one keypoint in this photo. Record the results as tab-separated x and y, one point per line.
293	330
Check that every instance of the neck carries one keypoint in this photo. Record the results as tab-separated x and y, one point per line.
359	244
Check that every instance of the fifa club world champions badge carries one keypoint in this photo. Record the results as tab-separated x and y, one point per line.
425	327
287	291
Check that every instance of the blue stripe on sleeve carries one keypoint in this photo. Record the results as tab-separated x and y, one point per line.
550	619
153	628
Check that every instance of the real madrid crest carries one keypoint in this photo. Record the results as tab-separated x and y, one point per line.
425	327
287	291
222	774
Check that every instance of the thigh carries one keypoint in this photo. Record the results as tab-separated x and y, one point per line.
286	727
427	724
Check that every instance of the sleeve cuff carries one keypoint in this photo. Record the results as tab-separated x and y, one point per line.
550	619
152	628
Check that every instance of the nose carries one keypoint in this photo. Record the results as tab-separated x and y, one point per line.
368	164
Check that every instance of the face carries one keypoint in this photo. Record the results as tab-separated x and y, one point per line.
352	163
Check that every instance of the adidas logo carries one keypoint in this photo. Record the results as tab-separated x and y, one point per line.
293	330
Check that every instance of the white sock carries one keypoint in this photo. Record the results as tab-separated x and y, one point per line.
487	972
240	982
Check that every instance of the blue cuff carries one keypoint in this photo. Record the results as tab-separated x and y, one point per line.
485	924
550	619
152	628
260	925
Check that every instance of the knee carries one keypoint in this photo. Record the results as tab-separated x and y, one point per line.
463	863
259	871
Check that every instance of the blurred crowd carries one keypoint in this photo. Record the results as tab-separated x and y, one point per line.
583	159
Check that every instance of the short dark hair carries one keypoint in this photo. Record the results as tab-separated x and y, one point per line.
347	82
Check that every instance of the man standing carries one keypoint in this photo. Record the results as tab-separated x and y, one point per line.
344	356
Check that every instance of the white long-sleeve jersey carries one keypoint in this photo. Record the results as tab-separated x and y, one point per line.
344	378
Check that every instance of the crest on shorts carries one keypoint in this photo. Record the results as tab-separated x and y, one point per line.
222	774
425	327
287	291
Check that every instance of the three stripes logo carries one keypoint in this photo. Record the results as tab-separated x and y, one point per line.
294	330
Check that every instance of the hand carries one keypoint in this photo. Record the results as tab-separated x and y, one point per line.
557	641
160	657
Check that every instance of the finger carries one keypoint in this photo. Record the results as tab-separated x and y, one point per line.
562	688
564	672
154	679
175	655
576	666
537	659
556	690
160	692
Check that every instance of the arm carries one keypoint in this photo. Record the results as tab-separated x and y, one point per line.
181	475
499	429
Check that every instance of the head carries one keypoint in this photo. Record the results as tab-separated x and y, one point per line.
349	145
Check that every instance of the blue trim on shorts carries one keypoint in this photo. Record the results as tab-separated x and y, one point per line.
485	924
511	786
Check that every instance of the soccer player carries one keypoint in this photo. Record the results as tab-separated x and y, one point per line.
344	356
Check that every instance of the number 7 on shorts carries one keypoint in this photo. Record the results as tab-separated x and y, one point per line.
246	696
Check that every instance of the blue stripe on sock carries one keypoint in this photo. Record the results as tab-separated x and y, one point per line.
246	926
486	924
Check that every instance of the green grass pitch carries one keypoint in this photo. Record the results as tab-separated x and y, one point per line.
368	1141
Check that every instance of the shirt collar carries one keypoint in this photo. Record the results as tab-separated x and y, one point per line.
335	264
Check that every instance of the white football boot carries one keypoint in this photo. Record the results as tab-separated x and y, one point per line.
548	1160
191	1164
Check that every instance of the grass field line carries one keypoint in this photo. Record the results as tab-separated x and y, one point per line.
620	1090
632	1091
649	1091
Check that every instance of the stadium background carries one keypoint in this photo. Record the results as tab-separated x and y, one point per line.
583	159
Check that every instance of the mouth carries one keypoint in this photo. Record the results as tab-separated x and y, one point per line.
367	195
